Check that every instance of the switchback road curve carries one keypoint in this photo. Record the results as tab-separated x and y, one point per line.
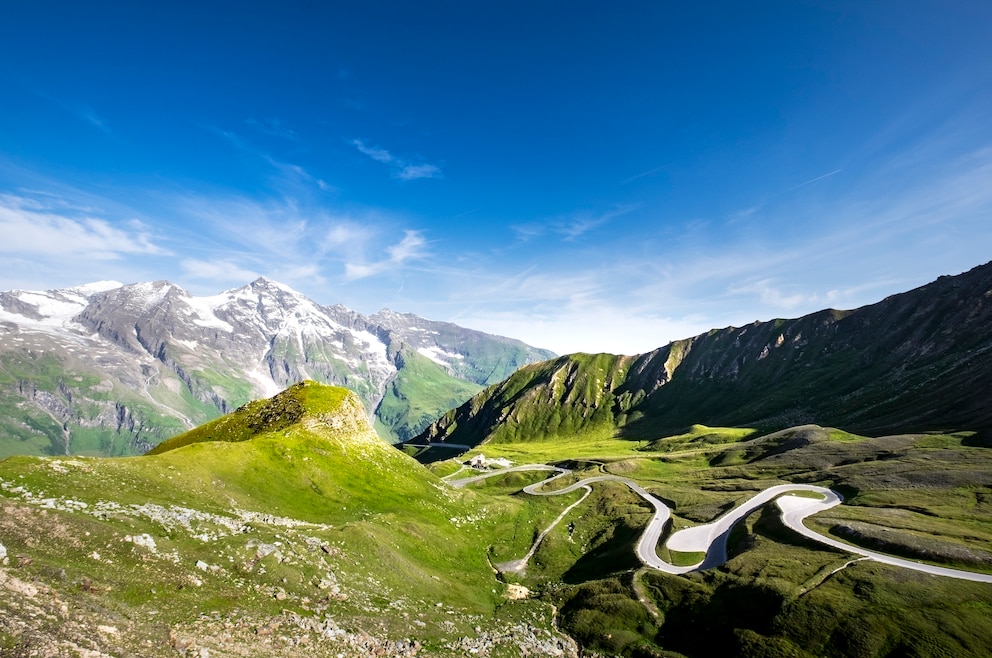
711	538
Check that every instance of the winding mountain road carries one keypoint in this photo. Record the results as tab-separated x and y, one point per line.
711	538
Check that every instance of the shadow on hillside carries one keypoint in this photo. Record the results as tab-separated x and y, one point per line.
614	555
982	438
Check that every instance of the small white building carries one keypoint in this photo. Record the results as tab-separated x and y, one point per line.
481	462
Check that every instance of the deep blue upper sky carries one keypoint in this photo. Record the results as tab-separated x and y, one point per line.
581	176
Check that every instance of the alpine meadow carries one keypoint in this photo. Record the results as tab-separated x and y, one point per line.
495	329
523	524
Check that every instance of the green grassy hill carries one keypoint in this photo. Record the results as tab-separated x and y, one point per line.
288	527
420	392
288	523
922	496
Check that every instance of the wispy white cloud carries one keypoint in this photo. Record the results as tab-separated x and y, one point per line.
286	176
572	226
526	232
401	168
581	223
346	235
275	228
772	294
413	172
270	240
83	112
813	180
644	174
87	114
299	244
311	272
376	153
33	226
745	213
770	199
224	271
413	246
234	140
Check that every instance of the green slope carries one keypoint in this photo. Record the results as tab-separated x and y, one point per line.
418	395
290	512
918	361
289	528
71	403
922	496
303	400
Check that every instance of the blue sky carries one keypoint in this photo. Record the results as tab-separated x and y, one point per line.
582	176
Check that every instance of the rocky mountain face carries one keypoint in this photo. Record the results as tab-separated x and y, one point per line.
916	361
113	369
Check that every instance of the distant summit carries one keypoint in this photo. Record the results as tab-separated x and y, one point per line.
112	369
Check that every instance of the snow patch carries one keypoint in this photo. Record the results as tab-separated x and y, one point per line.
151	293
375	347
263	381
56	310
204	308
88	289
439	356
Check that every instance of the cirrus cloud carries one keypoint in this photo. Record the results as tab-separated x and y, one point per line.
413	246
31	226
402	169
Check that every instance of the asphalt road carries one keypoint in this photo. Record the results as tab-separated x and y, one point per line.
711	538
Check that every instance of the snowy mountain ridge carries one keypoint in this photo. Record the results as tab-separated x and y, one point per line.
134	362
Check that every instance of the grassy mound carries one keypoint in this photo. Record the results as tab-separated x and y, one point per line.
306	399
289	514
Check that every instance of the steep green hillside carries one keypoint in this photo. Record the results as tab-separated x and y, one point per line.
418	395
74	409
303	401
917	361
568	395
288	526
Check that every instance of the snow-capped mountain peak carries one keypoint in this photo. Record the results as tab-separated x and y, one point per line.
152	350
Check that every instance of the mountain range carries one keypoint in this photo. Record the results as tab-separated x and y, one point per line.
112	369
287	526
915	361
